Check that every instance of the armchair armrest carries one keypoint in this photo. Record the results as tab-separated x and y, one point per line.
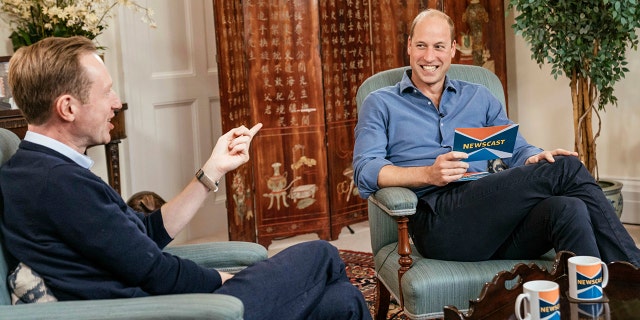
225	256
385	206
395	201
180	306
389	209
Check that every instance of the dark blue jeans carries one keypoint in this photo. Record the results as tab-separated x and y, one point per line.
521	213
304	281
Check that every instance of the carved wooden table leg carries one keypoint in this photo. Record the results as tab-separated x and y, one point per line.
112	153
112	150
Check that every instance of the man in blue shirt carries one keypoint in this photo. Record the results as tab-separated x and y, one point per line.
74	230
546	200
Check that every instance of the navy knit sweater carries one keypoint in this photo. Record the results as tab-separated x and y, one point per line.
72	228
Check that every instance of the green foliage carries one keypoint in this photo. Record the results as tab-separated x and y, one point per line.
590	37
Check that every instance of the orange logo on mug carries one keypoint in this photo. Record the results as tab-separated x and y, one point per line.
589	281
549	304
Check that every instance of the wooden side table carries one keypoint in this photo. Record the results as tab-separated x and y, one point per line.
14	121
497	299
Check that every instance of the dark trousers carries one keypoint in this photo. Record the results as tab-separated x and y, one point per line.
521	213
304	281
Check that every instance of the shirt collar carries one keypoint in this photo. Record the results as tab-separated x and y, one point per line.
407	84
81	159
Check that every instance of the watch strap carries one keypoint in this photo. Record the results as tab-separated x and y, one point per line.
206	181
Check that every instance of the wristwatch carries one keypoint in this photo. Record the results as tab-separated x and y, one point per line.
206	181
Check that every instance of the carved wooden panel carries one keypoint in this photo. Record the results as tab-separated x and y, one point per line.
391	23
346	63
480	34
235	111
286	95
279	70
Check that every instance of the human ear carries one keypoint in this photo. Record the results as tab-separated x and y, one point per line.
65	107
453	49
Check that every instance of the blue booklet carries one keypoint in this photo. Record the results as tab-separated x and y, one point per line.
485	143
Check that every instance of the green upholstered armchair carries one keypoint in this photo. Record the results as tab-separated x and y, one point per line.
228	256
423	286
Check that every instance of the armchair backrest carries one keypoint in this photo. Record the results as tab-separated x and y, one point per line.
8	146
464	72
9	142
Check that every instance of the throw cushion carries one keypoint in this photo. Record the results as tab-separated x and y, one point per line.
27	286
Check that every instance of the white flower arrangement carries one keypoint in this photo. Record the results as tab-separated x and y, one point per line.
33	20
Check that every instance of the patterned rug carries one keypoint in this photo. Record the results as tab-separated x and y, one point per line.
360	270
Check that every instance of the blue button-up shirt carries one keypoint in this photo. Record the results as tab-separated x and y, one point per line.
398	125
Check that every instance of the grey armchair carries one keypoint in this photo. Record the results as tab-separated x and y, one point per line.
227	256
423	286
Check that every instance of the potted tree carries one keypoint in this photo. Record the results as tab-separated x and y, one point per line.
586	41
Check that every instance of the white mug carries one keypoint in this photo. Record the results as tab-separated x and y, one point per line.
587	278
541	300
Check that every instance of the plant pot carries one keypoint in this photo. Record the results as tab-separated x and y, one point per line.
613	191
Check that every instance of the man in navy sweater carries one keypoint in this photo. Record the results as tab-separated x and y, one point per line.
73	229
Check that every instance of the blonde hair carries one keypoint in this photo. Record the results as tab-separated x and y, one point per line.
40	73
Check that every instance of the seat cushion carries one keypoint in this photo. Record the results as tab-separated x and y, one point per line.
432	284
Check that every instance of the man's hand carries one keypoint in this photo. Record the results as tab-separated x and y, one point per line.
225	276
231	151
447	168
548	155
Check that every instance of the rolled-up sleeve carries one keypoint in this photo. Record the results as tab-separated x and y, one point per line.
369	153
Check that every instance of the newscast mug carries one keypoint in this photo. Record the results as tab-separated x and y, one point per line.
587	276
541	300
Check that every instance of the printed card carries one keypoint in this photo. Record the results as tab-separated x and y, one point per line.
486	143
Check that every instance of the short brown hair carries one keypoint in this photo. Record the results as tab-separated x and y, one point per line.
433	12
40	73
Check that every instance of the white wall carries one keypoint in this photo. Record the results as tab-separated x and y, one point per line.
539	103
5	42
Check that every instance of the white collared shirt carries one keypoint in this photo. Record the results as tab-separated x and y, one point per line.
79	158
